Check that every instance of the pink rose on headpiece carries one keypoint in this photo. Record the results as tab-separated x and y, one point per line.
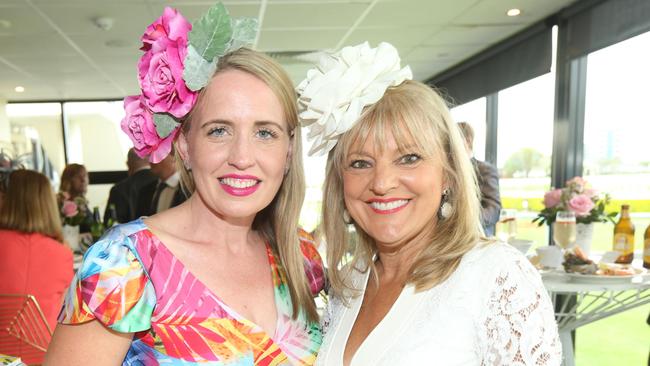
552	198
581	205
138	125
69	209
160	70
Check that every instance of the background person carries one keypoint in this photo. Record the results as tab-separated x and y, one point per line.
124	195
74	183
163	193
487	177
33	259
421	286
223	278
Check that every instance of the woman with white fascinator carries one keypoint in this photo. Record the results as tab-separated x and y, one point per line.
423	285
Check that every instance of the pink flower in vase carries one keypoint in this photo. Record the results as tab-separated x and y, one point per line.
69	209
552	198
581	205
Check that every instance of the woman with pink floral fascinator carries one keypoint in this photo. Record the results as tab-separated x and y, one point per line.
225	278
421	285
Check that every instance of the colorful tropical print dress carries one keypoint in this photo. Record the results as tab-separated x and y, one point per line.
130	282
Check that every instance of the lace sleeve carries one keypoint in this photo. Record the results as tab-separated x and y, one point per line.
519	326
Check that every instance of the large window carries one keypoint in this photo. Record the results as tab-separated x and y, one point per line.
474	113
95	139
617	132
36	137
524	147
616	161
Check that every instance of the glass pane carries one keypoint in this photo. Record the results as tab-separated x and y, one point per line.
37	137
94	136
525	143
474	113
314	179
617	130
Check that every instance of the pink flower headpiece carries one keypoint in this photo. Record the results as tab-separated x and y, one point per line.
179	60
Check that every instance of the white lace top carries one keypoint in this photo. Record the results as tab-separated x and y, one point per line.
493	310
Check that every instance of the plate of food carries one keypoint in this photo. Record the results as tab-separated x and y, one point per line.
581	269
623	275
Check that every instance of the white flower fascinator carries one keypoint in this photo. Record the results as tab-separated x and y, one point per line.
334	94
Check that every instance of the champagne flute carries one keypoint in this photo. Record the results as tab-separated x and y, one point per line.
564	229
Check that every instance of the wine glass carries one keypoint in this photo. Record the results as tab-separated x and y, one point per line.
564	229
507	225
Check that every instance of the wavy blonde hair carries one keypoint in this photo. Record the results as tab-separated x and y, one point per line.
414	114
30	205
278	222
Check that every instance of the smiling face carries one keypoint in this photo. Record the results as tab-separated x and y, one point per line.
238	145
392	193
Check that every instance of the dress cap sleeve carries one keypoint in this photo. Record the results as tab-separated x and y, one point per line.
313	263
111	286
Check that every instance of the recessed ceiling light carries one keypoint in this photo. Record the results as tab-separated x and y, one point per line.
513	12
19	89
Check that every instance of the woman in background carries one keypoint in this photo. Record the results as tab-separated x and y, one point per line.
33	260
74	183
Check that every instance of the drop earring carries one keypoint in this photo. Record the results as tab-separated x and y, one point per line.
446	209
346	217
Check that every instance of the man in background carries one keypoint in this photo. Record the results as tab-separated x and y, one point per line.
124	194
165	192
488	182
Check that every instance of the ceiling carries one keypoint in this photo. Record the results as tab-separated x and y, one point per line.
55	51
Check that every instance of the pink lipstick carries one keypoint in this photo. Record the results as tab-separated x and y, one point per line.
239	185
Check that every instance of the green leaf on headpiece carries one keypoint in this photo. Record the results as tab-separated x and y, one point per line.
244	31
197	71
211	34
165	124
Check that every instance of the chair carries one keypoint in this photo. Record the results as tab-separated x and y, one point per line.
24	332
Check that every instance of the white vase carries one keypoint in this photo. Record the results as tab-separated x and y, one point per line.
71	237
584	234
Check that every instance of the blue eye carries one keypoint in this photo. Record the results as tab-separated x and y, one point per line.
217	131
410	159
266	134
360	164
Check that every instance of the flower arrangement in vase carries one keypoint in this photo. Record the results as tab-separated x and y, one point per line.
577	196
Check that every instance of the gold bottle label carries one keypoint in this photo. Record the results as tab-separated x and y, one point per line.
623	244
646	251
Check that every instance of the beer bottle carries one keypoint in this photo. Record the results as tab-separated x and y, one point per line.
646	248
624	237
111	217
97	227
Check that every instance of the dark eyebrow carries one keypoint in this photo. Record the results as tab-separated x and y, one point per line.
230	123
266	123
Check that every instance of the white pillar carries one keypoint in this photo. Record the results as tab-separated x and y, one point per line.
5	129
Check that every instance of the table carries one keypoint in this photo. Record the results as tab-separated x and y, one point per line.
578	304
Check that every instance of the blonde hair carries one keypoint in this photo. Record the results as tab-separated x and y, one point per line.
278	222
69	172
30	205
413	113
